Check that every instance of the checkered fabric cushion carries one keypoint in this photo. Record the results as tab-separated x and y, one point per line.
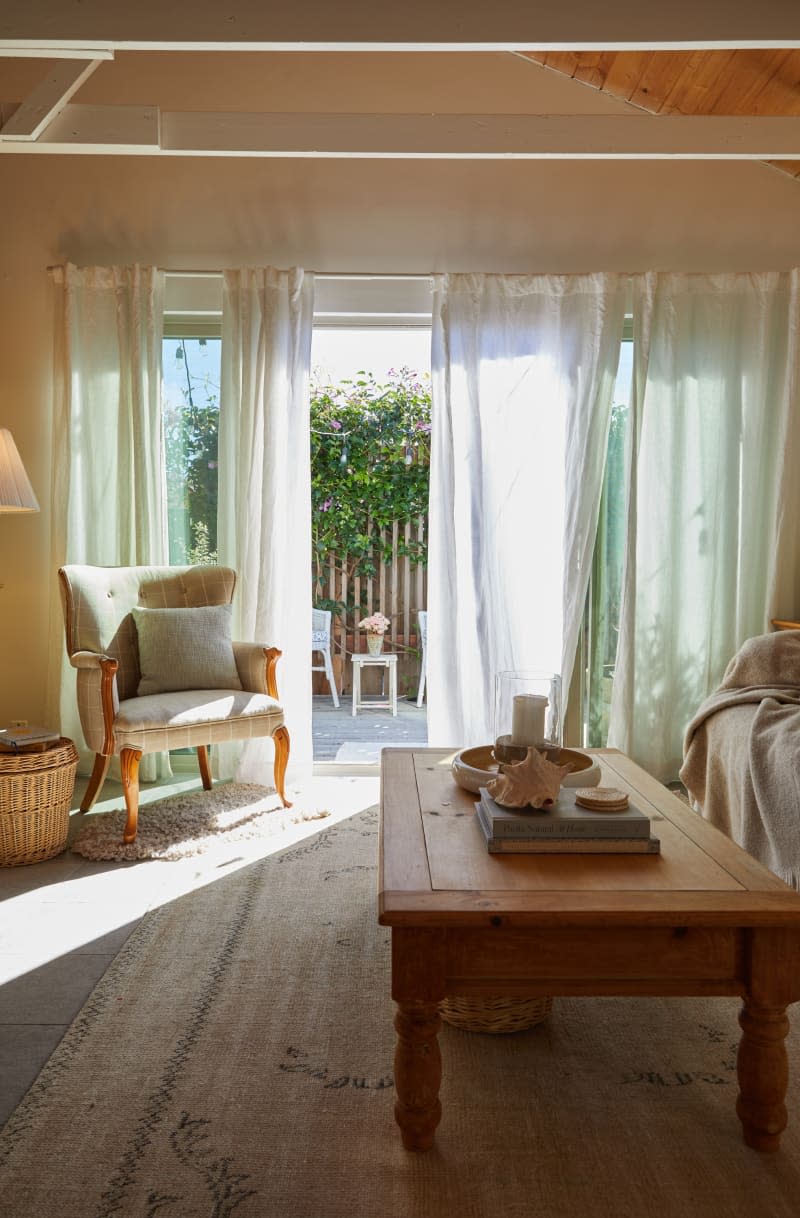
185	718
185	649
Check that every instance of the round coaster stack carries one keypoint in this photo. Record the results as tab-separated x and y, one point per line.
601	799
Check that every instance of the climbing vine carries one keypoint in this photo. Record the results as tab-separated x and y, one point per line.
370	456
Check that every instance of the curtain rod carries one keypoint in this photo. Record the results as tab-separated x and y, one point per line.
356	276
353	275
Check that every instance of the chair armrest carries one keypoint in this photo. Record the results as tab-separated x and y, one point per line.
256	666
98	699
90	659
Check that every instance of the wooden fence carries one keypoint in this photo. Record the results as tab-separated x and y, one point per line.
398	590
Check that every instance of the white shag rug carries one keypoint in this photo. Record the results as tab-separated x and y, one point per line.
189	823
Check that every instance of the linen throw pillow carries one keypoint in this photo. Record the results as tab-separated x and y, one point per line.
185	649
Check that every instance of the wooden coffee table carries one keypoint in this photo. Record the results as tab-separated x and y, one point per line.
701	918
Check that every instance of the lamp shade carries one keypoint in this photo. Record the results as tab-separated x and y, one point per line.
16	492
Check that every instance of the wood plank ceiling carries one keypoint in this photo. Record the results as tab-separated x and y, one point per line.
743	82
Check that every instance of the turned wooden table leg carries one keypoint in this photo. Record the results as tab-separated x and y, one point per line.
417	1073
763	1068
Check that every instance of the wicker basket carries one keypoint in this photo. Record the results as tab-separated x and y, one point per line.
35	794
495	1014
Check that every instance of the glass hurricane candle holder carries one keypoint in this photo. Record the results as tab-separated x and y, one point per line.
527	713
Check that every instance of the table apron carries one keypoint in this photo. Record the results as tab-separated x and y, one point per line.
571	960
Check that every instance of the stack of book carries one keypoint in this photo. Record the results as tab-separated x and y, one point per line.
27	739
564	828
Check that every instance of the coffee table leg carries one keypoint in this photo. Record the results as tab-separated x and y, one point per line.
417	1073
763	1069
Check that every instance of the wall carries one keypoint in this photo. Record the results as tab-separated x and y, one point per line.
327	215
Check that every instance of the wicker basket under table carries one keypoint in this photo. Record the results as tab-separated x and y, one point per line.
35	794
494	1014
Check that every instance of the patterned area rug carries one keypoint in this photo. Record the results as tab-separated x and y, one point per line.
189	823
236	1062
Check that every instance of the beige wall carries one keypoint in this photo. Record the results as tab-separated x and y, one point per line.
328	215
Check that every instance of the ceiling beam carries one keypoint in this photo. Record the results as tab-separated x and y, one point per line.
412	25
141	130
122	130
48	99
13	51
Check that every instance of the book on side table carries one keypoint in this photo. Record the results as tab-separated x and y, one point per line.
28	739
564	828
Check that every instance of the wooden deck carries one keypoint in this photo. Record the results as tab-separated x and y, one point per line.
338	736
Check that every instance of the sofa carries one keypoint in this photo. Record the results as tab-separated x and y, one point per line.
741	763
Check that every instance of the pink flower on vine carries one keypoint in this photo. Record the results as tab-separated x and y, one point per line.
323	507
336	425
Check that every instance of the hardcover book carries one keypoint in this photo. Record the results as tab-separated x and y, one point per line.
564	819
567	845
20	739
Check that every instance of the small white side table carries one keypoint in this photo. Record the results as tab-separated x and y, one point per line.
387	660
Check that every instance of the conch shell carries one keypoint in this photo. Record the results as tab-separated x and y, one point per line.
534	782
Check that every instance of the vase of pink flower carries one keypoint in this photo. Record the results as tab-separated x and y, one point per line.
375	626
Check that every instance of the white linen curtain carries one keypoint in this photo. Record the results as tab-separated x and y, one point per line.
713	497
264	526
523	372
108	470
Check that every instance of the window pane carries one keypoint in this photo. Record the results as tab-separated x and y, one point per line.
190	401
339	352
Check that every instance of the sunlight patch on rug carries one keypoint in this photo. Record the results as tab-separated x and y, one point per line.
190	823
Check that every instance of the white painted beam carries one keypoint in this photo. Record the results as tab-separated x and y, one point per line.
411	25
481	136
48	99
135	130
12	51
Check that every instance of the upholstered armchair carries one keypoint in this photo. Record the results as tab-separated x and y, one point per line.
157	670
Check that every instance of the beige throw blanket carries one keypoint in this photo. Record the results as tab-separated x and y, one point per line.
742	753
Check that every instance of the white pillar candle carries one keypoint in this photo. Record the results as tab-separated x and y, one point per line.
527	719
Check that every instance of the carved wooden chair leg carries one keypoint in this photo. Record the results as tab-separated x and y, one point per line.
129	763
96	781
281	738
205	766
